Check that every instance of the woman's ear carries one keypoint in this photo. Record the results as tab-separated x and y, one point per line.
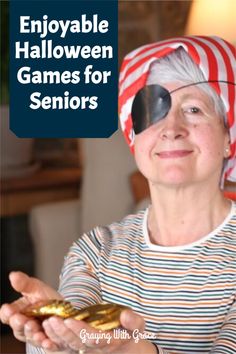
227	149
227	153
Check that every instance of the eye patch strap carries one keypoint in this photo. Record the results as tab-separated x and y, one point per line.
153	102
203	82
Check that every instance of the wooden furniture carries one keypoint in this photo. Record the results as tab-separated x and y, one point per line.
19	195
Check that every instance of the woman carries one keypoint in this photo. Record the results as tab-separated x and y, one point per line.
174	264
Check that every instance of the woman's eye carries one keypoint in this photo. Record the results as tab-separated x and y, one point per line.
192	110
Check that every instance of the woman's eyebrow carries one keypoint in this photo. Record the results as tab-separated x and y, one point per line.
193	96
187	95
197	98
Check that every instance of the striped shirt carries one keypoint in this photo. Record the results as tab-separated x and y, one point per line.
186	294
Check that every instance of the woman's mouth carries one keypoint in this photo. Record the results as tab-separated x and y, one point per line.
172	154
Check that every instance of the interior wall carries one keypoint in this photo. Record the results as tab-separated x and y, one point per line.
142	22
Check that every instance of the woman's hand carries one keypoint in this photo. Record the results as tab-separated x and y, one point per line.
69	335
72	336
32	290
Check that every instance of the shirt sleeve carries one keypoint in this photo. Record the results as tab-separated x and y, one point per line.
160	350
79	281
226	340
31	349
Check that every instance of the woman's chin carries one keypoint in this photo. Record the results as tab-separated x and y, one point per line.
175	179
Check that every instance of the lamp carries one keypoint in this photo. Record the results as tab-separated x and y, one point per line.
213	17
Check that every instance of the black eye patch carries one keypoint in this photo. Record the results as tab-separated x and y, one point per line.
153	102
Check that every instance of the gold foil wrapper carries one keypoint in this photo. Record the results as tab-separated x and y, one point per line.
104	316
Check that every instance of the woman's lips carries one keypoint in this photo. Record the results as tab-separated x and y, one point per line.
173	154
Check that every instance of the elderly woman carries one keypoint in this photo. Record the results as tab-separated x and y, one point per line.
173	264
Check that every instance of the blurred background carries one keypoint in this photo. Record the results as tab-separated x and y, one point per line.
52	190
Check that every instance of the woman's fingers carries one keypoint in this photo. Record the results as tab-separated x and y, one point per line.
31	329
7	310
24	284
60	334
85	333
27	329
17	323
71	334
39	338
31	287
32	290
132	321
24	329
52	329
35	335
56	334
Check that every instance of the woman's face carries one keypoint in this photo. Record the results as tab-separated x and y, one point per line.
188	145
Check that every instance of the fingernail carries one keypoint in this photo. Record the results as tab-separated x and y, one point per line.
54	321
126	314
69	322
45	323
47	346
27	327
18	322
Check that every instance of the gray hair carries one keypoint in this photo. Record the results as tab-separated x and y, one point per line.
178	66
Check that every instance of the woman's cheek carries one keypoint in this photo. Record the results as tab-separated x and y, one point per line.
143	143
210	141
143	149
139	153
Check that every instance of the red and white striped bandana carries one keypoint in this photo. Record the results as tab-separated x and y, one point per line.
215	57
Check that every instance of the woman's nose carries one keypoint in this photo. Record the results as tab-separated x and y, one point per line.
173	128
